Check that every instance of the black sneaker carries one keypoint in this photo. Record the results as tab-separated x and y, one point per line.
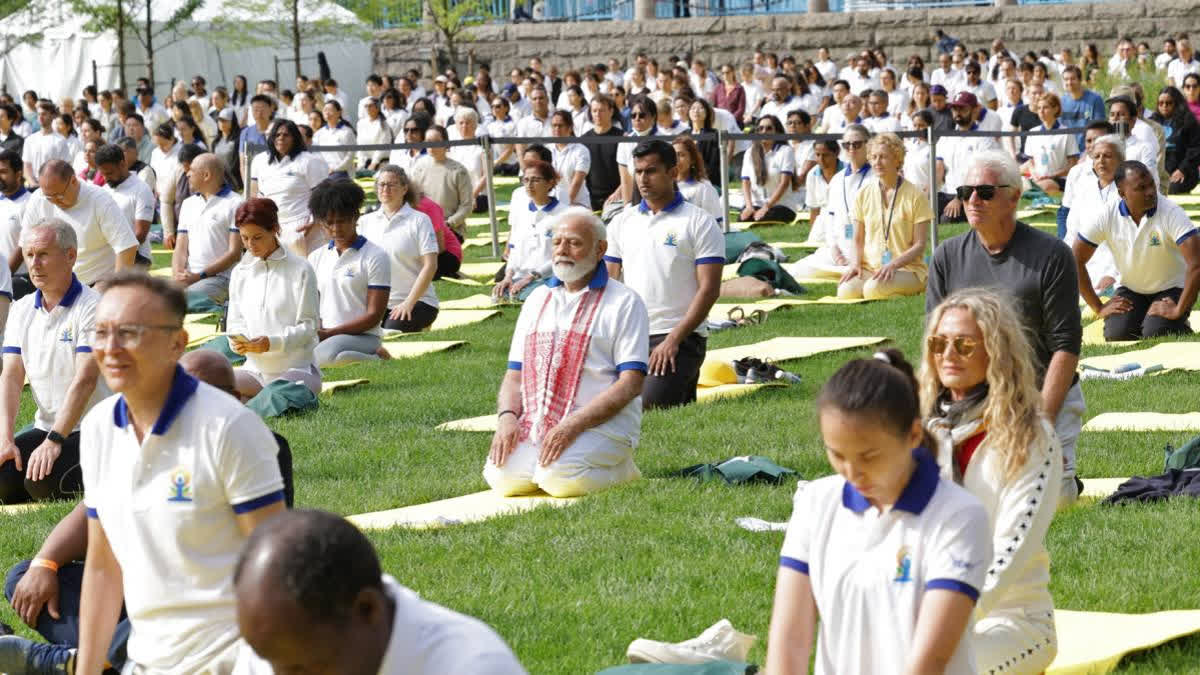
5	629
19	656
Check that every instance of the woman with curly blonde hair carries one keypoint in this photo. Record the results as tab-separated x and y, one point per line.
981	405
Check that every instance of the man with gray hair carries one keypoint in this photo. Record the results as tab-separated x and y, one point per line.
570	409
1038	270
46	342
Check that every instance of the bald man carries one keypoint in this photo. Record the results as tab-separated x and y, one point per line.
311	597
207	244
45	591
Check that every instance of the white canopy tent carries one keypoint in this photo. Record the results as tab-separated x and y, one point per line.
61	64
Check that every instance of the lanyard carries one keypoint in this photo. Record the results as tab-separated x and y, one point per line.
862	175
887	226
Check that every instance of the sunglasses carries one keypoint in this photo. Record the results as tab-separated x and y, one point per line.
639	115
963	346
853	145
986	192
411	130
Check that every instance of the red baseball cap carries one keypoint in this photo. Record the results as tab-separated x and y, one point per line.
964	99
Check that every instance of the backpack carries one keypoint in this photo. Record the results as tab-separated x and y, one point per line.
1185	457
771	272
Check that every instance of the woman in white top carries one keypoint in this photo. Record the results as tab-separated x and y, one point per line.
530	250
413	132
982	406
916	159
816	188
395	111
767	172
286	173
503	125
407	236
373	130
889	555
692	178
1011	97
572	161
1087	197
336	131
273	306
1050	157
577	105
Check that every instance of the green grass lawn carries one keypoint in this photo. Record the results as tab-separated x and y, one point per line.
662	558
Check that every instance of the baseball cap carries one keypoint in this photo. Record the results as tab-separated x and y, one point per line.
509	89
225	114
1122	92
440	78
714	373
964	99
937	90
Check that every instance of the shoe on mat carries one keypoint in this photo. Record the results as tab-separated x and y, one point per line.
19	656
5	629
718	642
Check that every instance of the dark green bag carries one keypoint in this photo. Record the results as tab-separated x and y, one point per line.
281	397
771	272
221	344
1186	457
739	470
713	668
736	242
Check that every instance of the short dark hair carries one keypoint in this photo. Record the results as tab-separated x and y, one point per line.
832	145
13	159
542	152
165	130
1130	167
1101	125
262	98
335	197
647	104
189	152
110	154
805	118
1073	69
126	143
661	149
168	291
334	102
882	388
375	79
320	561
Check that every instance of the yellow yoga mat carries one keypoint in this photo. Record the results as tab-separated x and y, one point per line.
413	349
199	333
795	244
1093	333
1031	213
1169	355
787	348
483	423
730	271
462	282
452	318
505	181
1099	488
477	301
1094	642
476	221
164	272
470	508
1144	421
481	269
708	394
1186	200
334	386
484	240
13	509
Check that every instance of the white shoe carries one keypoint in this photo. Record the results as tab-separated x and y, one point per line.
719	642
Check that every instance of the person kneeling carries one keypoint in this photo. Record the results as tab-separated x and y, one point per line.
570	404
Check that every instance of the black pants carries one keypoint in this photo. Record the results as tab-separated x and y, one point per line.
448	265
65	479
481	203
22	286
1136	324
943	200
506	170
422	316
778	213
1190	178
678	388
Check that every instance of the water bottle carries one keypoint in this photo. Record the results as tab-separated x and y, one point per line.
1044	162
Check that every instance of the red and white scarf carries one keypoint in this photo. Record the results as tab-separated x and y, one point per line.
553	366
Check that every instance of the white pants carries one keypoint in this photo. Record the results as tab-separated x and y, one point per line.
817	265
1015	641
1067	427
309	377
592	463
902	282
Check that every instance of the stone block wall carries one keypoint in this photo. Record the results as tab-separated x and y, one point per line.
732	39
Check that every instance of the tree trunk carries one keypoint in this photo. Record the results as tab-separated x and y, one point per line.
121	45
150	46
295	37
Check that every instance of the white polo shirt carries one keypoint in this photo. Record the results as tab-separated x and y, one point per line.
102	228
275	298
470	156
405	236
620	341
1146	255
816	188
1050	153
567	162
990	120
40	148
843	190
531	240
658	254
703	194
530	126
208	224
781	166
137	202
11	209
879	125
335	160
958	152
625	150
870	570
288	182
501	129
344	279
168	506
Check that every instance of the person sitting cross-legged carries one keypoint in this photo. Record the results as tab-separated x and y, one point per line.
1157	255
570	409
354	277
530	253
208	244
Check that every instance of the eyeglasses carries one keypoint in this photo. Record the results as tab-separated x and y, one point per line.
852	145
986	192
126	335
530	180
387	185
963	345
639	115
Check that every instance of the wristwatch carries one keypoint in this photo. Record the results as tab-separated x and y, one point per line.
56	437
203	274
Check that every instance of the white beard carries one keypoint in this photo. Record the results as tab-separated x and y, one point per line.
572	272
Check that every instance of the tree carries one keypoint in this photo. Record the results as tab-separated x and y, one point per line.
24	22
115	15
451	20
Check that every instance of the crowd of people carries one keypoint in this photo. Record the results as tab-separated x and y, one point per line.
948	473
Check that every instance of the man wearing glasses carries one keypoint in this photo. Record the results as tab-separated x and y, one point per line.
178	475
45	341
105	236
414	132
1038	270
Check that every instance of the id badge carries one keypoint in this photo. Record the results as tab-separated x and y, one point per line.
849	231
887	257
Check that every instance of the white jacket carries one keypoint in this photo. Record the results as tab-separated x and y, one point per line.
276	298
1020	510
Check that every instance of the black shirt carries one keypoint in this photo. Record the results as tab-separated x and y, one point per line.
604	177
13	142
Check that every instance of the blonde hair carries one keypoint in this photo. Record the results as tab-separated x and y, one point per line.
1012	409
889	143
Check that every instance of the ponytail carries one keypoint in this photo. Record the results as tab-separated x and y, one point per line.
883	387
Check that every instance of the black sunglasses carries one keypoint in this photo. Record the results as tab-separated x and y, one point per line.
986	192
638	115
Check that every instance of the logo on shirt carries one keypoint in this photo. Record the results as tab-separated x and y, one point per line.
903	566
1155	241
672	239
181	486
349	273
66	336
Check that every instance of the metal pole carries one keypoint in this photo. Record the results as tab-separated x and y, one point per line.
95	79
276	57
724	177
491	194
933	189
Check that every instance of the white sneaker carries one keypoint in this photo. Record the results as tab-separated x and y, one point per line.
720	642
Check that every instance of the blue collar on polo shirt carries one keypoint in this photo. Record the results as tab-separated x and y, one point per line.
356	245
916	495
68	298
550	206
225	190
645	208
183	387
599	278
21	191
850	169
1123	209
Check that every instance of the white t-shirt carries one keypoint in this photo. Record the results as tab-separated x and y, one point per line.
1177	70
1088	202
1050	153
1147	255
502	129
344	279
101	227
336	160
619	342
405	236
40	148
470	156
780	109
625	150
137	202
169	505
879	125
567	162
958	152
275	298
703	194
781	166
897	103
1146	152
166	168
531	127
870	570
862	83
984	92
373	132
288	182
990	120
658	254
208	224
843	190
11	209
916	165
530	242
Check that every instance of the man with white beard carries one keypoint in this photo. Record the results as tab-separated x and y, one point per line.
570	409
